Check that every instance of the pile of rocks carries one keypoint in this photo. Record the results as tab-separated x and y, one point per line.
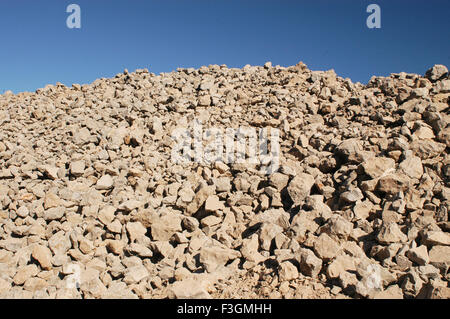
92	206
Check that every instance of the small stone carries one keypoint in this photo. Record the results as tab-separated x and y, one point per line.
51	200
440	256
199	199
43	255
213	204
436	72
362	209
77	168
391	233
115	227
106	214
392	292
249	249
419	255
338	227
85	246
412	166
210	220
393	184
212	257
105	182
135	230
221	167
24	273
22	211
300	187
54	213
287	271
115	246
188	289
310	264
135	274
165	227
129	205
325	247
352	196
223	184
432	238
278	180
377	166
35	284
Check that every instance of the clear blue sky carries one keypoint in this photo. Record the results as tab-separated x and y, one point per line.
38	49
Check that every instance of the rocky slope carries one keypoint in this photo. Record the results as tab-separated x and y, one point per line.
93	206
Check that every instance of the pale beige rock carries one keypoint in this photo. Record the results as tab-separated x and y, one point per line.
51	200
310	264
325	247
43	255
115	246
391	233
378	166
135	230
213	204
412	167
436	238
77	168
188	289
24	273
199	199
392	292
104	182
300	187
287	271
419	255
249	249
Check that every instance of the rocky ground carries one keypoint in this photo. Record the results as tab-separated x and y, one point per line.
91	205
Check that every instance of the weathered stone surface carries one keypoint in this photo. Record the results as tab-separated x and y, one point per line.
188	289
378	166
391	233
43	255
300	187
310	264
325	247
419	255
436	72
287	271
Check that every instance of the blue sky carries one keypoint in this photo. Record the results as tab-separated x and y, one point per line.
37	48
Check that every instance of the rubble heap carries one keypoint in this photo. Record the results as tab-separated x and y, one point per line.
92	206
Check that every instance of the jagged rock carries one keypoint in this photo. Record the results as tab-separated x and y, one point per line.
300	187
391	233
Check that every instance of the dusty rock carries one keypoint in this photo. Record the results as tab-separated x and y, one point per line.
188	289
412	167
215	256
43	255
378	166
436	72
287	271
419	255
310	264
249	249
391	233
440	256
325	247
24	273
300	187
77	168
104	182
436	238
